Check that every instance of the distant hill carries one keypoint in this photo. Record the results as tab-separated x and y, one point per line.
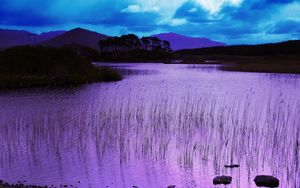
77	36
10	38
291	47
179	42
49	35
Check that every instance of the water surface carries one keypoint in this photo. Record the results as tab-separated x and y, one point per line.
162	125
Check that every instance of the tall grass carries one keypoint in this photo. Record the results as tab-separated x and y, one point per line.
257	132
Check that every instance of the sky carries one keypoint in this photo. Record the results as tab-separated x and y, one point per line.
229	21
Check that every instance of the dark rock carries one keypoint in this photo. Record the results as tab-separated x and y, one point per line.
232	166
222	180
266	181
171	186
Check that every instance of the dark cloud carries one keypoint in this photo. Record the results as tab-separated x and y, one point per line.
264	5
26	13
192	12
130	19
288	26
249	21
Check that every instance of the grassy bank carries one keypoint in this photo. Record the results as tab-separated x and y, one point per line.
282	48
266	64
44	66
281	57
264	68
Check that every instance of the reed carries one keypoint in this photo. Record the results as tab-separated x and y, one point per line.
255	131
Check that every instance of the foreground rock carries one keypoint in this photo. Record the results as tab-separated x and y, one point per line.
171	186
225	180
266	181
232	166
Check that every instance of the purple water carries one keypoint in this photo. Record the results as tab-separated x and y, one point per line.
162	125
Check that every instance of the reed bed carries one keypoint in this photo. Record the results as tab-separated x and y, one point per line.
259	132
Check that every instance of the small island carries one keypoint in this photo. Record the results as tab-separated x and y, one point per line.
131	48
36	66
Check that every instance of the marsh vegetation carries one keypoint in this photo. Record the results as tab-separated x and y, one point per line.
281	57
27	66
155	130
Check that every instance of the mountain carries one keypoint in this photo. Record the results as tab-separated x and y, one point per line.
179	42
77	36
49	35
10	38
83	37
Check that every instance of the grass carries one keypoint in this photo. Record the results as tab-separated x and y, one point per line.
250	130
44	66
266	64
109	74
264	68
283	57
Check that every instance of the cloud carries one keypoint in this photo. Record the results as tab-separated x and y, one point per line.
132	9
231	21
288	26
138	8
214	6
193	13
177	22
237	22
25	13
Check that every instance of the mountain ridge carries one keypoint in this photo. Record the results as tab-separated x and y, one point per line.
179	42
77	36
11	37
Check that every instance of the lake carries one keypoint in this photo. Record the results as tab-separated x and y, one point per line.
162	125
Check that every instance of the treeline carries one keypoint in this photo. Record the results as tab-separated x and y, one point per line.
27	66
131	48
136	56
283	48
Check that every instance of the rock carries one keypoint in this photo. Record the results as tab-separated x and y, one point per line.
266	181
171	186
232	166
222	180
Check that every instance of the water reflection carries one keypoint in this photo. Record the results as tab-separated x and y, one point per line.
179	126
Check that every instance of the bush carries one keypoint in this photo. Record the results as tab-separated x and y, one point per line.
26	66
